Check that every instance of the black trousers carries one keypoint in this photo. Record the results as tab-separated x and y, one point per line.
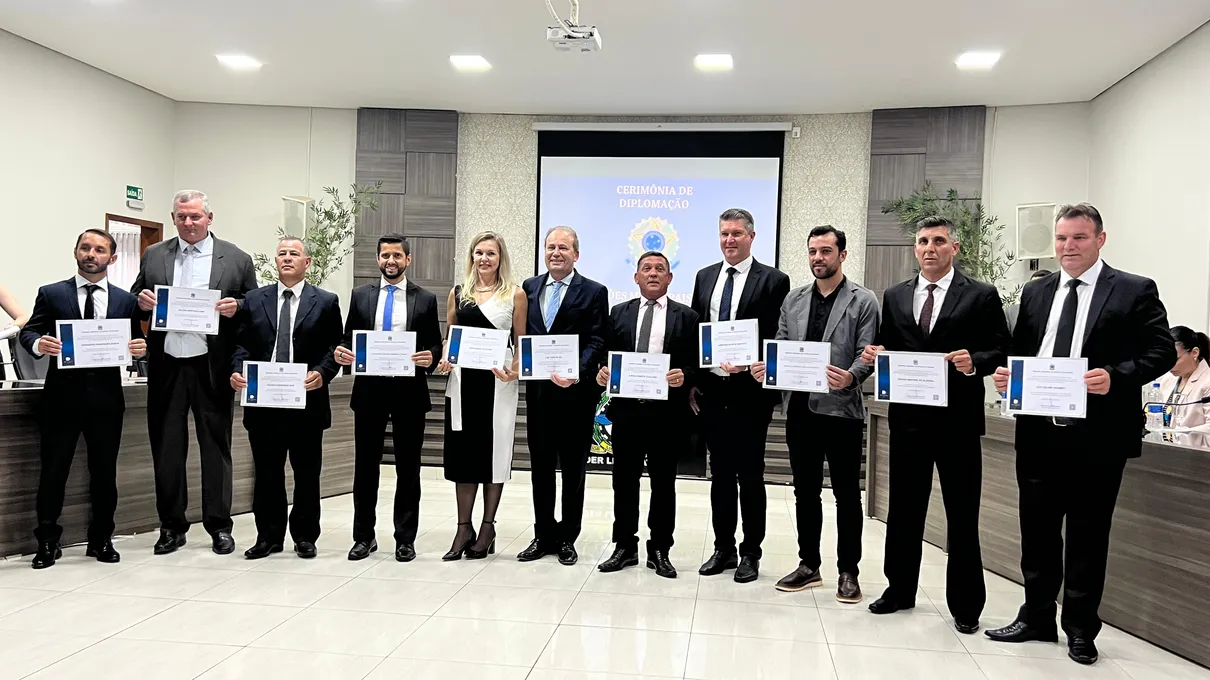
959	462
274	438
735	419
103	435
1066	478
559	432
178	387
652	435
813	438
407	434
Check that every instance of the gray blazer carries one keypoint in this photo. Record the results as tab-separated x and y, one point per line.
852	325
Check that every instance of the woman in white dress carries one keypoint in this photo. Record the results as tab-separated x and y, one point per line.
481	406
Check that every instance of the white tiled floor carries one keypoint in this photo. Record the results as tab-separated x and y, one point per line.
197	615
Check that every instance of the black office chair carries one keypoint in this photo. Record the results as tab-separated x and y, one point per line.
26	365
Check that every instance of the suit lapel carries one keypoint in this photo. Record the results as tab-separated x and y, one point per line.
306	302
1099	296
571	297
535	304
952	297
270	304
410	296
756	275
216	264
73	299
710	275
907	295
369	307
672	318
844	296
169	261
1041	311
111	303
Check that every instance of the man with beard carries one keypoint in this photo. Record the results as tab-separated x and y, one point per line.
829	424
398	305
79	401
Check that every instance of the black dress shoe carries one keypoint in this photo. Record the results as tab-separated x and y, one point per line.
718	563
170	541
847	588
1019	631
1082	651
362	550
885	605
103	552
748	570
800	579
536	551
262	549
658	560
404	552
305	549
619	560
48	552
966	627
568	555
223	543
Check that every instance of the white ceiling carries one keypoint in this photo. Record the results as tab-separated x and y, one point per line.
791	56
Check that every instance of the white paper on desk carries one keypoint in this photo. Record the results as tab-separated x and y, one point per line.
190	310
638	375
1047	386
917	378
274	384
94	343
386	353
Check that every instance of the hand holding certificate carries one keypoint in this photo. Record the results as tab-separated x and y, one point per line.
911	378
189	310
94	343
638	375
797	366
728	342
481	348
274	385
1045	386
543	356
385	353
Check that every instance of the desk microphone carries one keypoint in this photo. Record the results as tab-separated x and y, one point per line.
1203	400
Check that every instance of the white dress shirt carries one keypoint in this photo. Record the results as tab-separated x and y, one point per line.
741	277
100	297
281	288
1083	303
198	258
399	313
549	290
659	321
922	293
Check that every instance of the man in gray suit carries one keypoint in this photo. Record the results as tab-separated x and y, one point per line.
189	372
828	425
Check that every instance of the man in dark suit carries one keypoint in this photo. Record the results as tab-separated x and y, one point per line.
392	304
290	321
188	372
941	310
734	409
650	428
80	400
1069	469
558	421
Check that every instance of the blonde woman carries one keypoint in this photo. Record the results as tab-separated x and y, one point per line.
481	406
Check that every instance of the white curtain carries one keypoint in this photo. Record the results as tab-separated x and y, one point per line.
124	271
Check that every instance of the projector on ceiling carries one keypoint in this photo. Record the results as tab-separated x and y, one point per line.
576	39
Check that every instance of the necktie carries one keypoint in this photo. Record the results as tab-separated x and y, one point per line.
90	310
388	310
724	306
187	268
552	305
1067	320
926	312
284	326
645	327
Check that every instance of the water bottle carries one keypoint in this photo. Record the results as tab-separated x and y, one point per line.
1155	411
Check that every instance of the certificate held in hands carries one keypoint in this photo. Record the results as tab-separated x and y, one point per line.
94	343
734	342
916	378
189	310
481	348
274	385
1045	386
386	353
638	375
797	366
546	355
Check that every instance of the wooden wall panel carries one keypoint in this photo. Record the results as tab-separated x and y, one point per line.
888	265
432	261
388	168
899	131
380	130
387	219
956	130
432	174
431	131
428	216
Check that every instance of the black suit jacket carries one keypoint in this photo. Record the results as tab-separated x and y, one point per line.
378	392
94	389
1126	334
584	311
680	341
971	318
764	291
316	334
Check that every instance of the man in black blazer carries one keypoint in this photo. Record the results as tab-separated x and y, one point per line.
290	321
188	372
80	400
559	413
1072	469
734	409
941	310
392	304
650	428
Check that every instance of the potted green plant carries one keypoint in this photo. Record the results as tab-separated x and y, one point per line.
330	239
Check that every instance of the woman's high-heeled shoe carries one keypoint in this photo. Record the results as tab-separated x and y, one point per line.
456	550
473	553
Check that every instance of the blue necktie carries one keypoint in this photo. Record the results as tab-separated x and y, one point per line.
724	306
552	305
388	311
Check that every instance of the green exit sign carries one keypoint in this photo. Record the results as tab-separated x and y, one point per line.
134	193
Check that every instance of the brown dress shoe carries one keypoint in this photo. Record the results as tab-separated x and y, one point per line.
847	589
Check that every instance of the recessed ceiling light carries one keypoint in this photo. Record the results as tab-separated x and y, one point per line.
469	62
977	61
713	62
238	62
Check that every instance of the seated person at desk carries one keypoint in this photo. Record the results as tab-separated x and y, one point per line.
1186	385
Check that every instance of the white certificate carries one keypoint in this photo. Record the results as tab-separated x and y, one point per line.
192	310
546	355
911	378
483	348
384	353
1043	386
274	385
638	375
798	366
735	342
94	343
